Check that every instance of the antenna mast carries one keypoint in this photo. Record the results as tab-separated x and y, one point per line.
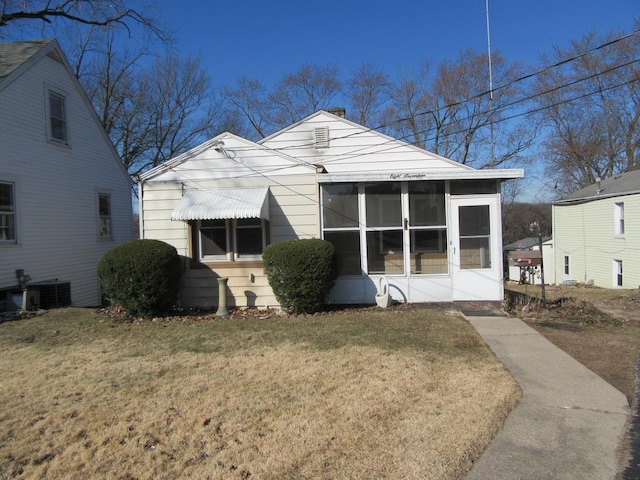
490	86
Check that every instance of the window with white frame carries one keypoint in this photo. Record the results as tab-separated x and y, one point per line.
7	212
104	214
619	218
57	117
617	273
229	240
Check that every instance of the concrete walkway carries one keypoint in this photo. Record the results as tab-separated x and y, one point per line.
569	422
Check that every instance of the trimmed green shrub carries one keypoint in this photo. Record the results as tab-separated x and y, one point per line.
142	276
301	273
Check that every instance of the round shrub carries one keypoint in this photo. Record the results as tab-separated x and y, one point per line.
142	276
301	273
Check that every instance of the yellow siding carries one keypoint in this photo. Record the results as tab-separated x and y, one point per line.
294	213
586	233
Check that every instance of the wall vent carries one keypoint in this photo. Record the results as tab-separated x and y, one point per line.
321	137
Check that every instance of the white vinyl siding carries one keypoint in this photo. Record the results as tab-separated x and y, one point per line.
7	213
56	187
57	115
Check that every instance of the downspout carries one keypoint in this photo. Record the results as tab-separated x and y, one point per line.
140	206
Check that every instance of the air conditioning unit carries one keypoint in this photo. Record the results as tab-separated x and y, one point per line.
52	293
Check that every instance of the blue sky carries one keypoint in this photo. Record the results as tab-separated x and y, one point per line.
268	39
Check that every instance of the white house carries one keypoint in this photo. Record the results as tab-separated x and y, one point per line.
431	226
596	231
65	198
525	260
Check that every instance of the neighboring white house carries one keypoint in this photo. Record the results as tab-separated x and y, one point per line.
430	225
65	198
596	232
525	259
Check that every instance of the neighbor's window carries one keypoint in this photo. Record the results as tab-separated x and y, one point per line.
231	239
104	209
57	117
566	265
617	273
619	218
7	213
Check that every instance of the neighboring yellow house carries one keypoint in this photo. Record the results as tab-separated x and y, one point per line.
596	232
429	225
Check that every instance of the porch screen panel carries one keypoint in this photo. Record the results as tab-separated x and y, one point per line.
426	204
340	205
429	251
428	228
385	254
341	225
475	240
347	247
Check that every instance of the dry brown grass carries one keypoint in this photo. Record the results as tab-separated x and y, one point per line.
375	394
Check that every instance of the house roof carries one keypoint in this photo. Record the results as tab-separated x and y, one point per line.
622	184
14	54
525	243
350	152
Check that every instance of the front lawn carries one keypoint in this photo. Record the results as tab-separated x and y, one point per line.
406	393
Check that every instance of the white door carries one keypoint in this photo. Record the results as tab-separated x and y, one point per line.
476	261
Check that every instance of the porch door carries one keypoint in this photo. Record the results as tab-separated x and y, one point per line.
476	261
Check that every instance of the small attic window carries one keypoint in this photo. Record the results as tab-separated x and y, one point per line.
321	137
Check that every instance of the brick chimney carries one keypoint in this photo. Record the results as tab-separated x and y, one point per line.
338	111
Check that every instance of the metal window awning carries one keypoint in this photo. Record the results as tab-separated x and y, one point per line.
223	204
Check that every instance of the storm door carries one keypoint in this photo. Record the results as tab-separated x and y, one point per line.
475	242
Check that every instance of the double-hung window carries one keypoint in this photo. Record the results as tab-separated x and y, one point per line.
7	213
617	273
104	214
232	239
619	219
57	117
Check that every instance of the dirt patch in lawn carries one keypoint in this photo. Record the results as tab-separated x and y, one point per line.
397	394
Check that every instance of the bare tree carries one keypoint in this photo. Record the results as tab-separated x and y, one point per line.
249	100
301	93
369	92
451	113
100	13
181	105
589	104
151	113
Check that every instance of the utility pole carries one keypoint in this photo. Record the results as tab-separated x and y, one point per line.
535	228
490	87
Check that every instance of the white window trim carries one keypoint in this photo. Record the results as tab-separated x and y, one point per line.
110	237
232	254
16	222
618	216
618	272
50	89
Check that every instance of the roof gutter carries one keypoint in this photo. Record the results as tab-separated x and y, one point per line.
505	174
